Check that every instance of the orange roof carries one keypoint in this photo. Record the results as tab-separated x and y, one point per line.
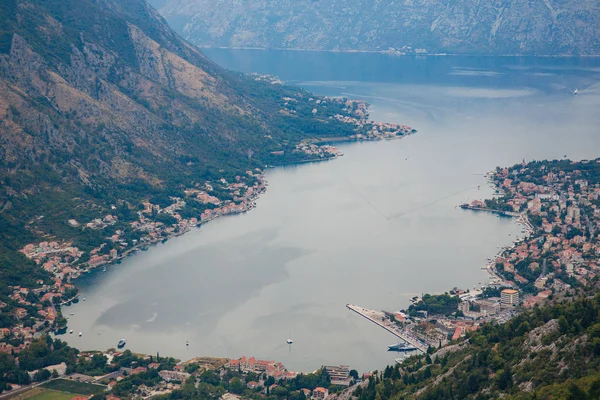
510	291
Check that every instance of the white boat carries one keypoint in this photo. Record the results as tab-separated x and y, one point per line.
575	92
80	334
289	341
71	331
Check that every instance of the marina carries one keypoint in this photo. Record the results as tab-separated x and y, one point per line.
379	319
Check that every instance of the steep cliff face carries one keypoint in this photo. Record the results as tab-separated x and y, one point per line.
102	104
548	27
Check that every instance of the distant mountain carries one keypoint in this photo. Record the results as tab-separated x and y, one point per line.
102	105
500	27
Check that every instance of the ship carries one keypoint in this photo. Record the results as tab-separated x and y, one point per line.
122	343
401	346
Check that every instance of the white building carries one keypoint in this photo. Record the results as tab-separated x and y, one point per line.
509	297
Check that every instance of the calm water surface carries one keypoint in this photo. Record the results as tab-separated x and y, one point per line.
372	228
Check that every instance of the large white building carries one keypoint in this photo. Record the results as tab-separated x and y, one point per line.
509	297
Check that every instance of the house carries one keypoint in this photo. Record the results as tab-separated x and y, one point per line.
170	376
320	393
138	370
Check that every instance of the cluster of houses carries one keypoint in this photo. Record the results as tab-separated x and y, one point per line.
320	151
566	236
67	262
269	368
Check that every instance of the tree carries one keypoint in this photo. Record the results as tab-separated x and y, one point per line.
236	386
54	374
576	393
505	379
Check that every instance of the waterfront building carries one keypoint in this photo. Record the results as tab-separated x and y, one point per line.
464	306
340	375
509	297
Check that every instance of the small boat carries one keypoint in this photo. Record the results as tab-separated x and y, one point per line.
575	92
187	343
80	334
289	341
122	343
104	269
84	299
71	331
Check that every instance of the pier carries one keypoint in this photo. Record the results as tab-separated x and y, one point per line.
380	319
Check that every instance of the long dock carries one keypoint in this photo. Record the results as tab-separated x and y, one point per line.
379	318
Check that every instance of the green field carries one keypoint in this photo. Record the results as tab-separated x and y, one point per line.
51	395
64	385
43	394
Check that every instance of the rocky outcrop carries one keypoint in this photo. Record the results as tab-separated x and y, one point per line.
516	27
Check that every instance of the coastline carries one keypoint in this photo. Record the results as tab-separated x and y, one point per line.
248	205
387	52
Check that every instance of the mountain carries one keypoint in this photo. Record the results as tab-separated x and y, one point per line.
498	27
103	106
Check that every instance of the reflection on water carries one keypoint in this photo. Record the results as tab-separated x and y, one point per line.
373	228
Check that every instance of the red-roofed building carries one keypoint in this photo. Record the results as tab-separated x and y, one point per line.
320	393
138	370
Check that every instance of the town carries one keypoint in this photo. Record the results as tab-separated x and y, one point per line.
557	203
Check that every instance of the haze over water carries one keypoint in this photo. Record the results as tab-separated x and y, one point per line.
372	228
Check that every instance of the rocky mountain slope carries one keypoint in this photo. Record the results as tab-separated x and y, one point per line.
548	27
102	105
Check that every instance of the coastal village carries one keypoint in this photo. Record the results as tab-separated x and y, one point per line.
116	374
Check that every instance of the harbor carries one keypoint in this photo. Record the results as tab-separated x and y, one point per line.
380	319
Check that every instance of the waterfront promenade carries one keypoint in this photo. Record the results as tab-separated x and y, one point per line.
380	319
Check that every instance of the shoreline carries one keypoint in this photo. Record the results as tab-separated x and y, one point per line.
521	219
386	52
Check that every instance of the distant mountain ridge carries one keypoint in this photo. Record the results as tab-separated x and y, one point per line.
483	27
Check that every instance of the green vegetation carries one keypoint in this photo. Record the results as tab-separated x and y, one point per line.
553	350
65	385
444	304
37	394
